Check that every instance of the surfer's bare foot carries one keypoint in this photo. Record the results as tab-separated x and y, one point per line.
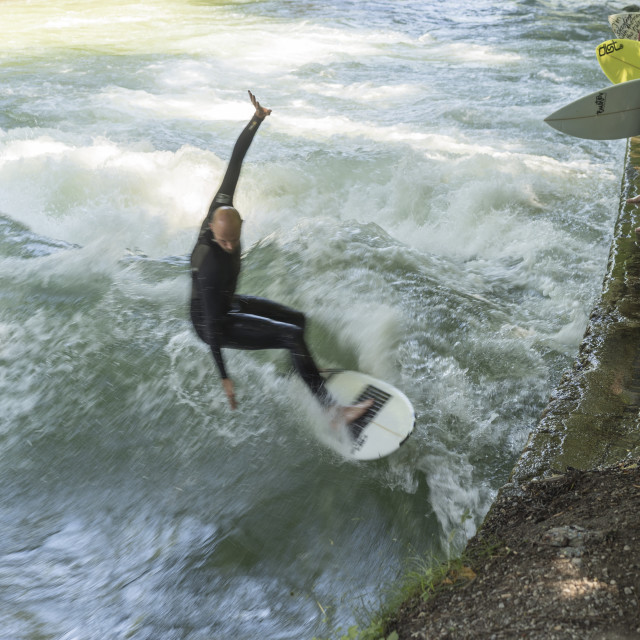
351	413
635	200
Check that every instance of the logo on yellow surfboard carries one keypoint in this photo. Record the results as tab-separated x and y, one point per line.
611	46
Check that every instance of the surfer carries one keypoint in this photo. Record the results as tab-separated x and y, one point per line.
224	319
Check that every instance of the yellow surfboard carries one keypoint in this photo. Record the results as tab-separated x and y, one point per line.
619	59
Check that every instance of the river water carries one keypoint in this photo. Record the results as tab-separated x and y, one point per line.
405	194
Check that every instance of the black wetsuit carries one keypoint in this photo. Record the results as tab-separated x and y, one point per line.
226	320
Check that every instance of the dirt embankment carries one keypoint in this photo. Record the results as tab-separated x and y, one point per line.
560	559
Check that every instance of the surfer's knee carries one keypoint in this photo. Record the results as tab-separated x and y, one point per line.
299	319
295	336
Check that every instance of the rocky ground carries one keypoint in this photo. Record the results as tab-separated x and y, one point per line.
560	559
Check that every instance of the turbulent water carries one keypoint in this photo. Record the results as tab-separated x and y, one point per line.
405	194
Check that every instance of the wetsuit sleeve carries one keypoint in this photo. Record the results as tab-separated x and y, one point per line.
224	196
210	294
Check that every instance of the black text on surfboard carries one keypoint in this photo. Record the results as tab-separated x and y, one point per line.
609	47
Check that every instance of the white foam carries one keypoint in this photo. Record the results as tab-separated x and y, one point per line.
107	193
475	54
569	337
457	501
364	92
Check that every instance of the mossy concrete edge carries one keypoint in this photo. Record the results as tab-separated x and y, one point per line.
592	418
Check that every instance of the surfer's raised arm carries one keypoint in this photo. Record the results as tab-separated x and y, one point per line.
226	191
224	195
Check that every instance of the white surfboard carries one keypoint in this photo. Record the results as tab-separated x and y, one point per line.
608	114
384	427
625	25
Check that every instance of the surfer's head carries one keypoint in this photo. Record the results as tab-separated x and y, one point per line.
226	227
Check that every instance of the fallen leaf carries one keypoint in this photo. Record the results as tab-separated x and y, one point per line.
456	575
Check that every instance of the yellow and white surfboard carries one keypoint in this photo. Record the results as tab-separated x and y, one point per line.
619	59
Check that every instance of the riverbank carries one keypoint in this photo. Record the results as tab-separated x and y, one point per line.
558	554
561	560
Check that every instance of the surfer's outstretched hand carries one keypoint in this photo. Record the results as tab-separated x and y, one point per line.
227	384
261	112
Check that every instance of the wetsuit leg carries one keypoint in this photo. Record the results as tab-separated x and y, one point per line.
253	332
256	306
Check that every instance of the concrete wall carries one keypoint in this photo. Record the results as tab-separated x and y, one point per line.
593	417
